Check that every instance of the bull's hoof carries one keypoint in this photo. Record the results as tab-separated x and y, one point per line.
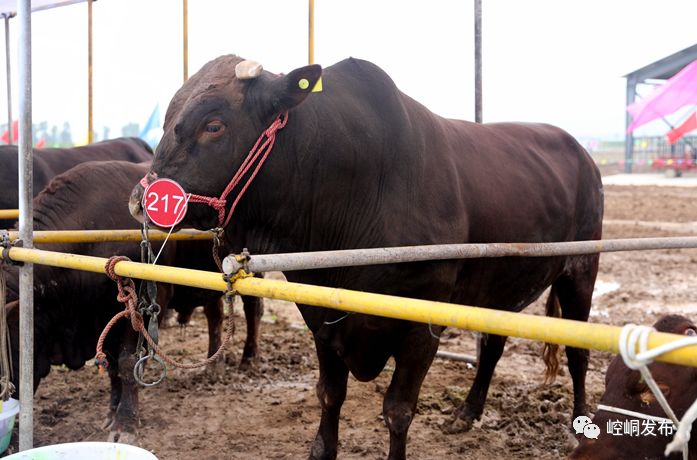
247	363
108	421
320	452
458	425
216	370
123	437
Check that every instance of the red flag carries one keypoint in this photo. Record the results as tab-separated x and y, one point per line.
690	124
15	133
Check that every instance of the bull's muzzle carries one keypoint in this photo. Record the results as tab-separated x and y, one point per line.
135	203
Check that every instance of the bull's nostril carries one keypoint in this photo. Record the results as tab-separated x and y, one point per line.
136	209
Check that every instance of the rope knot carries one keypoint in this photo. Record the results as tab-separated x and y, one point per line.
631	336
110	266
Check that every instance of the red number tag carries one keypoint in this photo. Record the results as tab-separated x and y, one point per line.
165	202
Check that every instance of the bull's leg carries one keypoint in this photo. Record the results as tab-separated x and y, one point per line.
331	391
399	405
253	310
213	309
472	408
125	426
575	295
114	397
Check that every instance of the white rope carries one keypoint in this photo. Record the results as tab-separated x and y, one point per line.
631	413
633	337
171	228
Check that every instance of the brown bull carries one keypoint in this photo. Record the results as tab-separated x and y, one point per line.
362	165
49	162
72	307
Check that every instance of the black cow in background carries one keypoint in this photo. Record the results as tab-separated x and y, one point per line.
50	162
72	307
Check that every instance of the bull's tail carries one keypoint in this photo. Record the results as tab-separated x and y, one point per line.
550	352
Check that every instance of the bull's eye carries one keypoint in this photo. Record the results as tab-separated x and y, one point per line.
690	331
215	126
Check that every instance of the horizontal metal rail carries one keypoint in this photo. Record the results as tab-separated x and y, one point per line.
102	236
377	256
553	330
9	213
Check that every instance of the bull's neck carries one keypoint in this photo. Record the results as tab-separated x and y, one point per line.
312	180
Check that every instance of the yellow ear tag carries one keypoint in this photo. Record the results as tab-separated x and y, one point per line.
303	83
318	86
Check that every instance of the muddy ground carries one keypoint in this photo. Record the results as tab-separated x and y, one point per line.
270	410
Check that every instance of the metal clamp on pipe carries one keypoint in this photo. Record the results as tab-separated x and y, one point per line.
236	262
7	244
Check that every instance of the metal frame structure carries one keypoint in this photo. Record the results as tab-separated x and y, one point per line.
662	69
26	227
578	334
378	256
25	171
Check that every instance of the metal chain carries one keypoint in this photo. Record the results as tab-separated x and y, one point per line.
148	307
6	385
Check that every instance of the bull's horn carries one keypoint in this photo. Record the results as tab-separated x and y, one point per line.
247	70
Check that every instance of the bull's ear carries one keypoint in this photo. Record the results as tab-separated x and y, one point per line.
290	90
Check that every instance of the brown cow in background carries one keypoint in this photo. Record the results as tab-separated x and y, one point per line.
49	162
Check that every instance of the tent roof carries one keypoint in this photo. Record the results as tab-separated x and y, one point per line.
665	68
9	7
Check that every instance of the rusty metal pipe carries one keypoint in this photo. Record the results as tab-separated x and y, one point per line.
378	256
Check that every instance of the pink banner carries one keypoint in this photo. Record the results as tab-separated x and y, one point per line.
675	93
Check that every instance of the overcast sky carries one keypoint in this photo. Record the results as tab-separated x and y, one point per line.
553	61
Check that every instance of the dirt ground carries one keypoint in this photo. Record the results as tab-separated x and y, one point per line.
270	411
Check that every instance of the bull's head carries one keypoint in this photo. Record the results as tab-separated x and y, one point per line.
626	389
212	123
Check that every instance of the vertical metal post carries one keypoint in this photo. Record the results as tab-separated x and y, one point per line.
90	113
629	137
186	39
311	33
7	17
478	61
26	272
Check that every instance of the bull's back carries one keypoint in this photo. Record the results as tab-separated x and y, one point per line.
522	183
51	162
425	179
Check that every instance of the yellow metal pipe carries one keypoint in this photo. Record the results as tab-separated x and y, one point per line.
90	97
102	236
311	33
183	276
560	331
553	330
185	41
9	213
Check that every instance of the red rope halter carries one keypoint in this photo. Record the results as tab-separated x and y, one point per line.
257	155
